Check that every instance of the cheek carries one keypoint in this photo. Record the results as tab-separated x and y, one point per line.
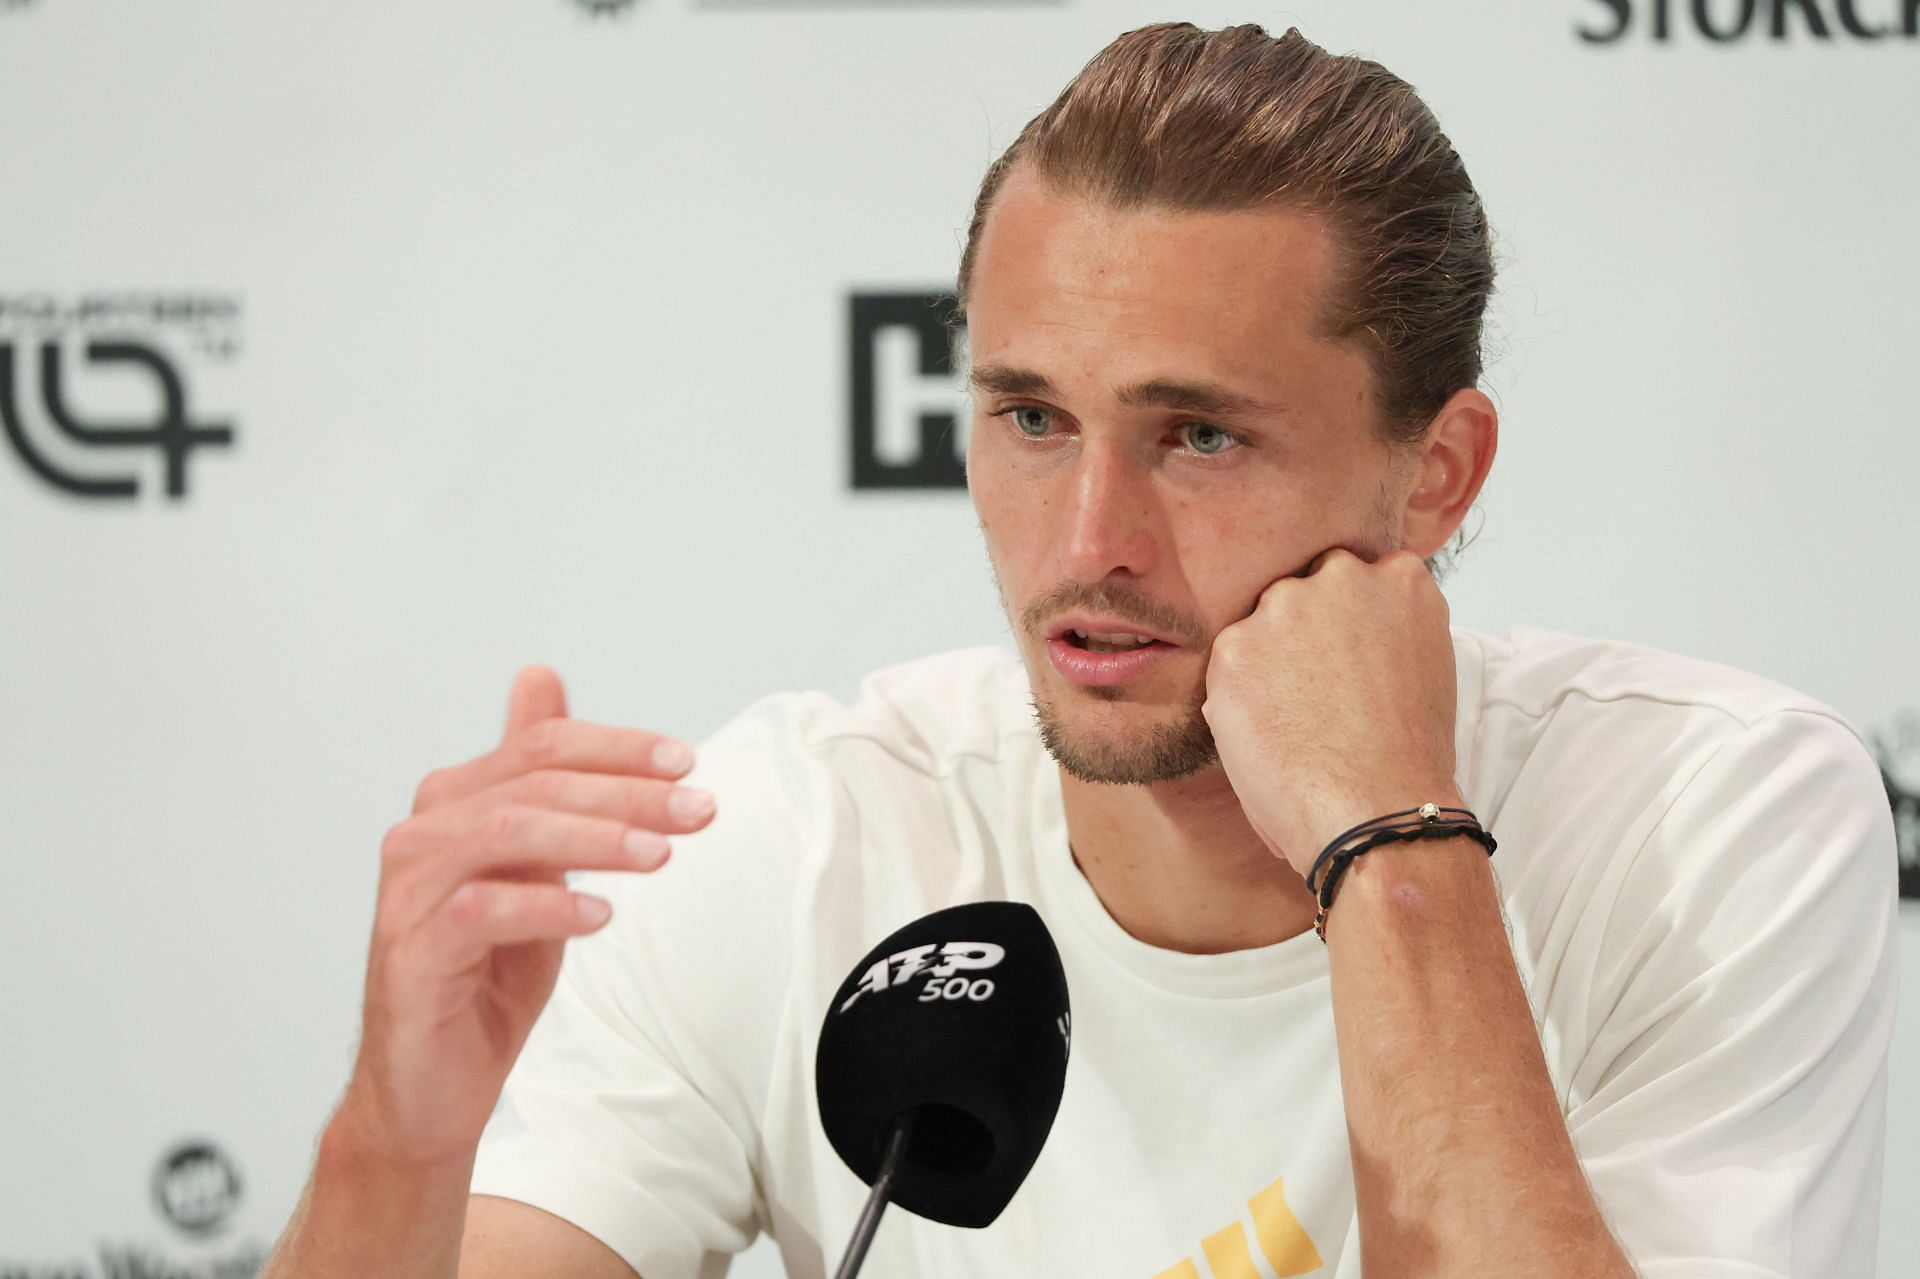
1232	551
1213	536
1014	534
1009	504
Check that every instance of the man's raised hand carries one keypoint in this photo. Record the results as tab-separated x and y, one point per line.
474	911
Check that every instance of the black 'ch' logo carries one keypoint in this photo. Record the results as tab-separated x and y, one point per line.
171	432
922	388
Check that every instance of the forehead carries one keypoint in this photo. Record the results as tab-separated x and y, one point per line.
1231	295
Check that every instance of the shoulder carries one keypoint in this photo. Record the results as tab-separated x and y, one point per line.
789	769
1622	771
919	717
1554	711
1653	793
1536	672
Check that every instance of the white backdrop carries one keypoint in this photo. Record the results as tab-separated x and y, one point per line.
530	326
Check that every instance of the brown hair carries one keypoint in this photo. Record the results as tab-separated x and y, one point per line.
1174	117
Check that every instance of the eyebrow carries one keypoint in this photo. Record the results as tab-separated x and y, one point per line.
1160	392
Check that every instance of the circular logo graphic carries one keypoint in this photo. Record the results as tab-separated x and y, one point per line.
196	1187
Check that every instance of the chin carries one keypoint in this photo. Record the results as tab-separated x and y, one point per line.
1091	747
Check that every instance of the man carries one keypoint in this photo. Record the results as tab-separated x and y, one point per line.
1223	302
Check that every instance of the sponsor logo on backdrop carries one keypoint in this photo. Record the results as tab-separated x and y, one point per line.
196	1188
909	410
8	6
601	8
1731	21
877	4
137	362
1898	753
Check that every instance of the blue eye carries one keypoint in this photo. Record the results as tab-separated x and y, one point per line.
1021	426
1208	441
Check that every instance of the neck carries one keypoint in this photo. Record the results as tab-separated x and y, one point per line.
1178	866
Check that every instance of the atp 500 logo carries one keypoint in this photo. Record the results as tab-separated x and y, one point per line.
135	359
946	965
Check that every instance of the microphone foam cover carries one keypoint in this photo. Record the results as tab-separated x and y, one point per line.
960	1019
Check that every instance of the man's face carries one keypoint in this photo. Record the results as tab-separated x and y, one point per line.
1159	432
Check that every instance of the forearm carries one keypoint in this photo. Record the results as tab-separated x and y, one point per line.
361	1215
1461	1160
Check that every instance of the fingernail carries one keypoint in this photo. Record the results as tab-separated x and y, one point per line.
672	757
593	911
645	845
689	805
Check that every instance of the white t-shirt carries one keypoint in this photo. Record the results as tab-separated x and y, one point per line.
1697	864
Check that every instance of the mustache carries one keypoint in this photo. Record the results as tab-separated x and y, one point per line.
1118	601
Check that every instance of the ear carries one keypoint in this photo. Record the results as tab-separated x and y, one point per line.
1449	464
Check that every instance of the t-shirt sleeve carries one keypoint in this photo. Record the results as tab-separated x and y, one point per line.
1730	1113
634	1109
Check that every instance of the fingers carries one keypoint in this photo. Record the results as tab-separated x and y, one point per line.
486	913
435	855
1345	556
571	745
537	695
655	805
1358	549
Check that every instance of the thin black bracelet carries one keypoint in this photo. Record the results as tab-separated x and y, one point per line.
1426	815
1427	830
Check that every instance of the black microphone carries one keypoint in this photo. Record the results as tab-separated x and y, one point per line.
941	1064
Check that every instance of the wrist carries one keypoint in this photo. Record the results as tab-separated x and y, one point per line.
1409	891
353	1143
367	1211
364	1214
1355	807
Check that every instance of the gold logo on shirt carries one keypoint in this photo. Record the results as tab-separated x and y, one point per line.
1283	1241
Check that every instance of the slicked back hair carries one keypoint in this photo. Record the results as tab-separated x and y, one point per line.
1173	117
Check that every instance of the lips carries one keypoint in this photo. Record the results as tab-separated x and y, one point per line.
1088	668
1098	643
1081	629
1101	649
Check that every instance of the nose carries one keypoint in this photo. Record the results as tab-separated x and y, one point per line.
1112	515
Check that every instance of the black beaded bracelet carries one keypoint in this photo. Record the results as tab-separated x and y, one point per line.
1425	815
1427	825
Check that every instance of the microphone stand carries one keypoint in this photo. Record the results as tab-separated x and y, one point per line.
877	1201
